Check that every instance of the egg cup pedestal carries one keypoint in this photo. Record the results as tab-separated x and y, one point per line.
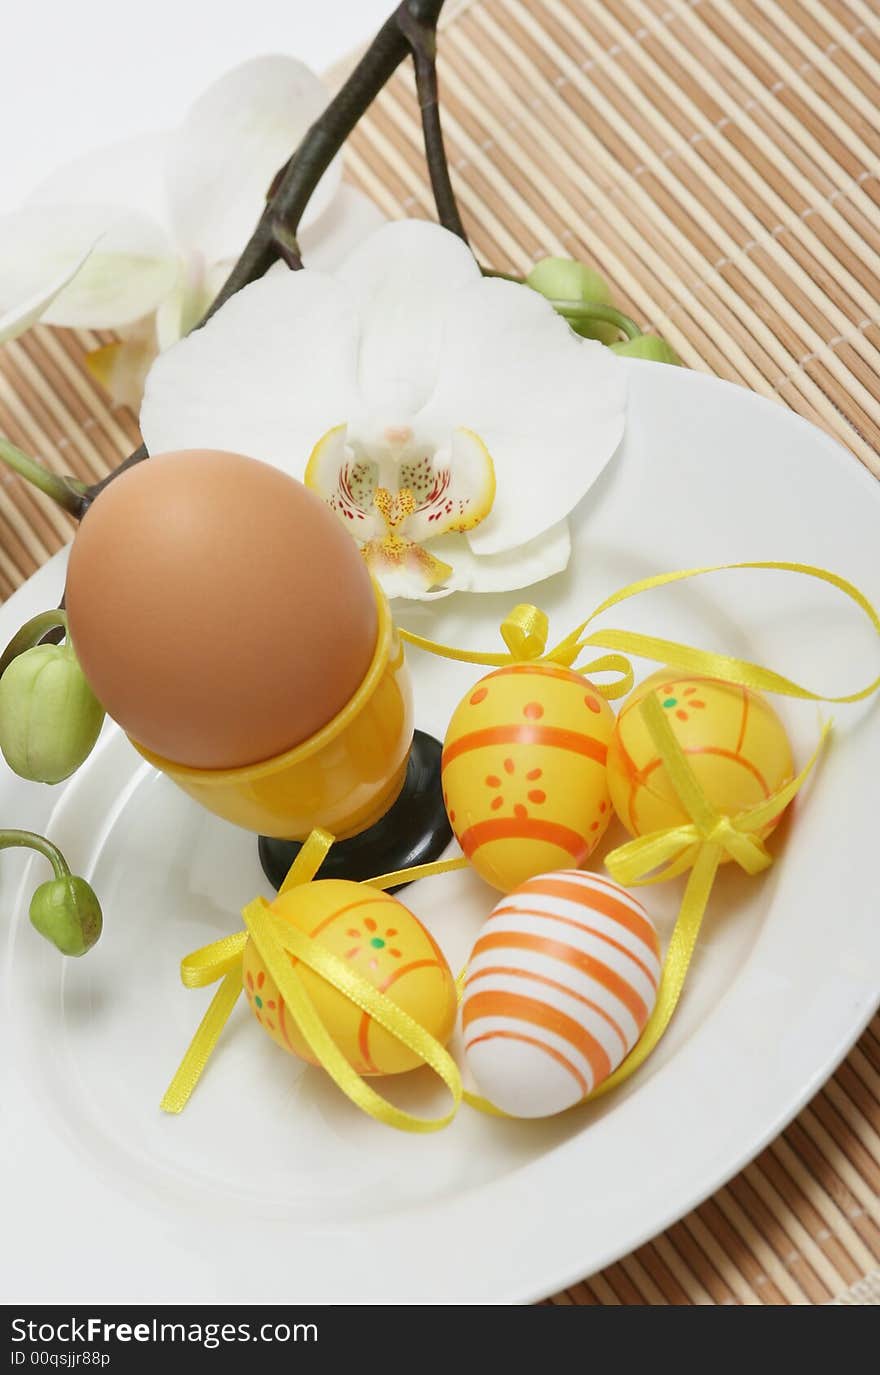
363	777
414	830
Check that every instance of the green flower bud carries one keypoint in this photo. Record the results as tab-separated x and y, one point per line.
49	716
649	346
66	911
563	279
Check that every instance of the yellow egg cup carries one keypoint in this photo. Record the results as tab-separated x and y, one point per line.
343	778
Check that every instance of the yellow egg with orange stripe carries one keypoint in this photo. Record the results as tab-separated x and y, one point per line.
559	986
523	769
379	939
734	741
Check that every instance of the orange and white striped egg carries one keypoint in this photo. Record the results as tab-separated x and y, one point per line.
524	777
378	938
558	989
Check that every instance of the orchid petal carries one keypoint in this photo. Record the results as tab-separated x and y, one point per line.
128	273
81	265
121	368
170	317
540	558
347	484
194	292
324	243
35	265
393	360
233	140
327	241
184	306
406	569
454	491
270	373
129	174
400	281
549	405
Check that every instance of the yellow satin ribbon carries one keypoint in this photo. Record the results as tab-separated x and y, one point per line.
635	864
525	633
277	940
417	871
698	845
672	850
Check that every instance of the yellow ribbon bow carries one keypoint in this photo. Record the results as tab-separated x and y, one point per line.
276	941
525	632
698	845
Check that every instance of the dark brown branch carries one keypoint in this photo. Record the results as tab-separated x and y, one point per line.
422	40
97	487
275	235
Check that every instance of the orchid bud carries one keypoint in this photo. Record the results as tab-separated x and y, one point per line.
649	346
66	911
563	279
49	716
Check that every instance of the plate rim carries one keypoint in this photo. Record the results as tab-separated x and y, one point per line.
568	1272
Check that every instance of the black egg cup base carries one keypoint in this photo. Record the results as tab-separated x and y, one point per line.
415	829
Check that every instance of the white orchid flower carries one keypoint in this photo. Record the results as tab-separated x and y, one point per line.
139	236
452	421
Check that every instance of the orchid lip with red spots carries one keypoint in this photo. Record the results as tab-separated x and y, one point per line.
452	421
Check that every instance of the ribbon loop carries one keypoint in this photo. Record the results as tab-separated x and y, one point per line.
744	847
638	861
525	632
700	847
527	628
280	943
721	833
277	941
607	663
209	964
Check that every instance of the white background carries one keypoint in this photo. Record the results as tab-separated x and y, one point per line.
79	73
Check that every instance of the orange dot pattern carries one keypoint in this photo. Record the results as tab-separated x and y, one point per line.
524	771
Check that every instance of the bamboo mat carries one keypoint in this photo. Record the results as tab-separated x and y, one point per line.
718	162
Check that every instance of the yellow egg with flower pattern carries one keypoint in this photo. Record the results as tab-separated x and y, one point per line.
732	738
524	778
378	938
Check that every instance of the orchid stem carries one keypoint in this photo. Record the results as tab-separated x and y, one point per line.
34	632
288	248
29	840
422	38
97	487
589	310
580	310
292	186
67	492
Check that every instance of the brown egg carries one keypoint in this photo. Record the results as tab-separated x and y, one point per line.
219	610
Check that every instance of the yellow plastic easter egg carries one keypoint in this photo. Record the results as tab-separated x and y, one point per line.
733	739
524	778
383	942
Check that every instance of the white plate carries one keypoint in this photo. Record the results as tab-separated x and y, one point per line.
271	1186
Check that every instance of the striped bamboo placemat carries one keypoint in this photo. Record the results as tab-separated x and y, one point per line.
718	161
